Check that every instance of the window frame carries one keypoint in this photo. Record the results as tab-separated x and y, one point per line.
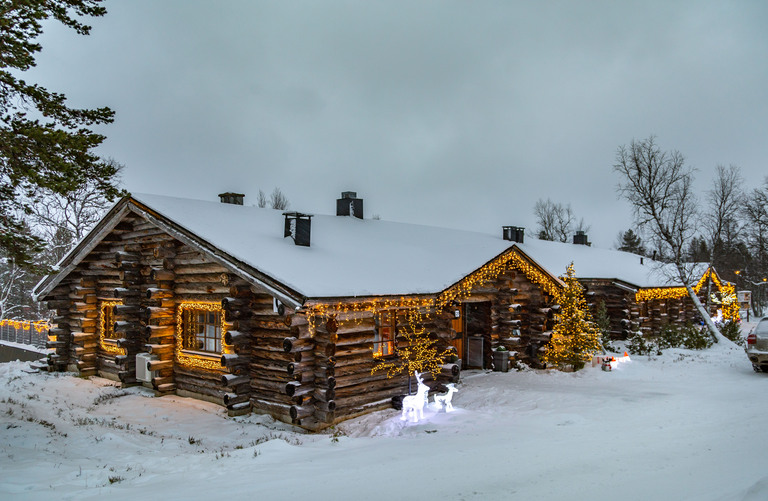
384	346
107	335
210	360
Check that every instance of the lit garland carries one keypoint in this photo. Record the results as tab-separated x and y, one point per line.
575	337
188	359
419	352
39	325
104	328
677	292
511	259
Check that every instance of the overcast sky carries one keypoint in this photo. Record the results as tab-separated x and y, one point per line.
453	113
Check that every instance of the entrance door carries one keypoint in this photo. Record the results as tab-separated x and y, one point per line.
477	333
460	339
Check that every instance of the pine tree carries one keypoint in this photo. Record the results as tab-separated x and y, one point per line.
629	241
603	323
44	144
575	338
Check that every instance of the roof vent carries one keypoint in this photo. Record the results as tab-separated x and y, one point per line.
580	238
298	226
513	233
349	205
231	198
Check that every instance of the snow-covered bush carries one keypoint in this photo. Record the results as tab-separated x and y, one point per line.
670	336
732	331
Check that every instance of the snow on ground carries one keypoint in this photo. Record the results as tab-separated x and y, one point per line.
684	425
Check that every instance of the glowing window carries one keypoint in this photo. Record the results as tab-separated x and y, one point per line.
386	331
107	334
201	330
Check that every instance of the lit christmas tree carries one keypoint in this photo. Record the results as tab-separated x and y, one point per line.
730	303
575	338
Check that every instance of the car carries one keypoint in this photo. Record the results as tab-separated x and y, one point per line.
757	346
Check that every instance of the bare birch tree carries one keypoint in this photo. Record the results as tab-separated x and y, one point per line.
723	212
277	200
556	221
261	199
62	220
658	184
755	212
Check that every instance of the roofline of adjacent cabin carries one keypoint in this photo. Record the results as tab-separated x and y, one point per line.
70	261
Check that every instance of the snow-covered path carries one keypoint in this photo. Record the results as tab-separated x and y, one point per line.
686	425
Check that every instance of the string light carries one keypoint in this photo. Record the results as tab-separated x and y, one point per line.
192	360
677	292
512	259
417	351
107	329
39	325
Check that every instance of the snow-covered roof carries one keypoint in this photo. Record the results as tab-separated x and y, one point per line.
597	263
350	257
347	256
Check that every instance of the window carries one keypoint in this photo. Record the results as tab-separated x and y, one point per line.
201	328
386	330
107	335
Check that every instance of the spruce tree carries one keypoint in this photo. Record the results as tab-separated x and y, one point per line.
44	144
629	241
575	338
603	323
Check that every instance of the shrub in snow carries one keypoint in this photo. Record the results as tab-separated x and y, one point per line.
604	324
671	336
732	331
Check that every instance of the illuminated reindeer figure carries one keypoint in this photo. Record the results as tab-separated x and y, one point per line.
445	400
415	403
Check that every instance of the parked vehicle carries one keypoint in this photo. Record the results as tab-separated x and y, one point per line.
757	346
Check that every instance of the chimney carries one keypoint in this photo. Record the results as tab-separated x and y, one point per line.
231	198
298	226
513	233
580	238
349	205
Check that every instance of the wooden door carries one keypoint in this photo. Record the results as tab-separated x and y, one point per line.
459	339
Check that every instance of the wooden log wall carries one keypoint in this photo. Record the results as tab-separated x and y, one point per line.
77	319
680	311
186	275
344	384
623	312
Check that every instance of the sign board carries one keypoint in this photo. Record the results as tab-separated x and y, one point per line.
745	303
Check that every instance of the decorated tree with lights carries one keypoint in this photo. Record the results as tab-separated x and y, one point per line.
416	350
730	303
730	309
575	338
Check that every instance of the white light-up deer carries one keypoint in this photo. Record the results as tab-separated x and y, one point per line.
414	404
445	400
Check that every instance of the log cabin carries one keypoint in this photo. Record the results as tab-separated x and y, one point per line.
640	294
286	313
